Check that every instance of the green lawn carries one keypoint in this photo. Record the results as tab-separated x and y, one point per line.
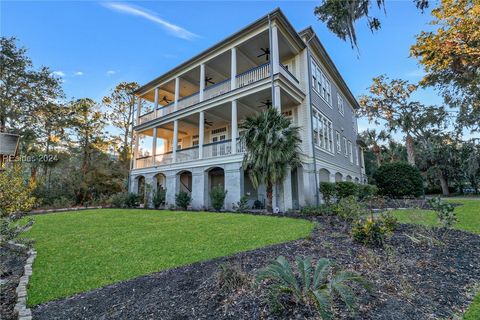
80	251
468	219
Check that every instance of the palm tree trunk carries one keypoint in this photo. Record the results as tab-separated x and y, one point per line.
444	184
410	150
269	197
378	155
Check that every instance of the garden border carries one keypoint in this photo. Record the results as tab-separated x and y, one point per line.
43	211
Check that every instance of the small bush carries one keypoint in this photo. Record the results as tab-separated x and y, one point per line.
315	285
62	202
182	200
230	278
366	191
328	191
132	200
397	180
159	197
242	205
389	221
370	232
119	200
345	189
349	208
258	205
321	210
217	197
445	211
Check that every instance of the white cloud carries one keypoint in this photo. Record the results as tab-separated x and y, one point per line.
137	11
78	73
111	72
60	74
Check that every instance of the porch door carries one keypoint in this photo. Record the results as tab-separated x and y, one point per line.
219	135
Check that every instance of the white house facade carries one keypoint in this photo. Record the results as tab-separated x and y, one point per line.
188	120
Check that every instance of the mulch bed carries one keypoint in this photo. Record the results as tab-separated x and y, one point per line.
12	261
428	279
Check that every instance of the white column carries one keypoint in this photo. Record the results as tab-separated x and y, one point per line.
234	126
233	82
201	133
154	145
135	152
139	109
278	99
175	140
202	80
274	53
287	191
177	92
156	102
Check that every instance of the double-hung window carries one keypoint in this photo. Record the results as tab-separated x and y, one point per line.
350	151
339	141
345	150
322	131
341	107
321	83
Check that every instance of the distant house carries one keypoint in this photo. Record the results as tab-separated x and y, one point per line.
194	111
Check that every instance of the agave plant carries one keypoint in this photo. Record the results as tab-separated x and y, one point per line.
318	287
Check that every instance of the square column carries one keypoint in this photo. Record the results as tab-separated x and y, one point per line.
201	134
274	52
234	126
202	81
155	110
199	188
171	186
233	184
135	151
287	191
154	145
177	92
139	109
175	140
233	73
277	99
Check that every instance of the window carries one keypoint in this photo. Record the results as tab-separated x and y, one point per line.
288	114
350	150
195	140
341	107
339	142
179	144
321	84
345	150
322	131
358	156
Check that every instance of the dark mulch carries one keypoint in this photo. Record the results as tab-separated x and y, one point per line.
425	280
12	261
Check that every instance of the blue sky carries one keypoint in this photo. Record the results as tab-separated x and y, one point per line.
95	45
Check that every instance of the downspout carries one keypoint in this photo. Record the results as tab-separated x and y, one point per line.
271	56
317	190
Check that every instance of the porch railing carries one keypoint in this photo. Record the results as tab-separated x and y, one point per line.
217	149
187	154
216	89
253	75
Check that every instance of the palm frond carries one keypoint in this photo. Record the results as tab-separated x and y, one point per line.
305	269
321	273
324	303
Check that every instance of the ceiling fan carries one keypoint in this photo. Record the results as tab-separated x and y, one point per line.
266	53
166	100
208	123
265	103
208	80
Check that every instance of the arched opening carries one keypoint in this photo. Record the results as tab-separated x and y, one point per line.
160	181
338	177
349	178
216	178
324	175
141	188
357	180
185	181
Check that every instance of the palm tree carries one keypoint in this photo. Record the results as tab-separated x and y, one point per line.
272	146
372	140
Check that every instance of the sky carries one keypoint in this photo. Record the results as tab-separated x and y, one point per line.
95	45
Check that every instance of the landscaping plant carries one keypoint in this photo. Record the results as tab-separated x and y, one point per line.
159	197
445	212
132	200
183	199
349	208
321	210
217	196
328	191
242	205
374	230
314	285
366	191
397	180
230	277
345	189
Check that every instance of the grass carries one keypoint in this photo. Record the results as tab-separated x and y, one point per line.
468	215
89	249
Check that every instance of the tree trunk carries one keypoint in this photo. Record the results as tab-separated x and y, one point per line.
269	197
378	154
444	184
410	150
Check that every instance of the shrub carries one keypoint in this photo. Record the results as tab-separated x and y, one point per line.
445	212
345	189
118	200
313	286
11	230
349	208
389	221
370	232
159	197
398	180
217	197
366	191
230	277
182	200
258	205
15	192
321	210
328	191
132	200
62	202
242	205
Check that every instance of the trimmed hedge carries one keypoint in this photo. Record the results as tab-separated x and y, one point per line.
397	180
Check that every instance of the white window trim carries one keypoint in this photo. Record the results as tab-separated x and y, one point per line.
338	141
345	152
341	110
327	133
350	150
321	76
